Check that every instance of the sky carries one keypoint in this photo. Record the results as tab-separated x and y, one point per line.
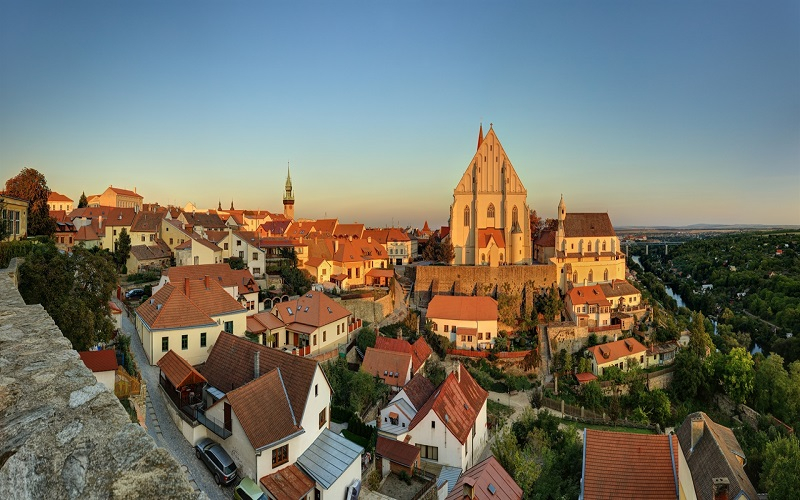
659	113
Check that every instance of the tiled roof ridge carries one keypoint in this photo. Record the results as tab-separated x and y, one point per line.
189	297
288	400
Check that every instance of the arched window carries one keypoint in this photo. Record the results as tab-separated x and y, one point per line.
589	246
604	245
575	277
501	257
591	275
483	258
490	211
466	216
514	216
605	275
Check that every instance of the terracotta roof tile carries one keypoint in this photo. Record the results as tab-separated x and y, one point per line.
588	295
489	234
260	401
125	192
58	197
456	403
289	483
230	365
313	309
151	252
171	307
609	458
469	308
419	352
99	361
397	451
612	351
577	225
112	216
481	476
263	321
546	239
618	288
385	364
178	371
221	273
147	222
419	390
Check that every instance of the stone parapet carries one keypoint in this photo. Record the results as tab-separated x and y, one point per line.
63	434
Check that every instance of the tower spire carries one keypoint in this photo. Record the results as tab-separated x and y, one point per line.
480	136
288	196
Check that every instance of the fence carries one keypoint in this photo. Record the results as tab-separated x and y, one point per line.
580	414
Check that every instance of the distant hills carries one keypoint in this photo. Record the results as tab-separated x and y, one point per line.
712	227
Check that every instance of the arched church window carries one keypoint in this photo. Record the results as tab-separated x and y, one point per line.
490	211
466	216
589	246
591	275
605	275
483	258
604	245
514	216
575	277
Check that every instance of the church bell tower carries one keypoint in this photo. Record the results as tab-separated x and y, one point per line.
288	196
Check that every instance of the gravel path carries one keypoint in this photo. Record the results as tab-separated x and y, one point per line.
163	430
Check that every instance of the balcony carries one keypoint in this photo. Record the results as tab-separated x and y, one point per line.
211	423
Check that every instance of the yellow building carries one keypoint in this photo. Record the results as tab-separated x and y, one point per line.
117	197
587	250
14	217
489	217
622	354
469	321
57	201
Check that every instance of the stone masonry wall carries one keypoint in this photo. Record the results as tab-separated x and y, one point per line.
479	280
62	434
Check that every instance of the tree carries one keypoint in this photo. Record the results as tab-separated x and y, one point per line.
83	202
446	252
435	372
536	225
366	338
771	387
699	342
123	250
549	303
508	306
592	395
738	375
237	263
31	186
781	468
691	376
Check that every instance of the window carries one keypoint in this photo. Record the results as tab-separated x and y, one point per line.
488	335
480	336
241	254
255	255
433	424
428	452
337	329
591	273
251	305
435	327
164	344
316	390
184	342
605	275
315	340
466	216
490	211
446	328
115	232
170	241
575	277
256	270
225	246
589	247
280	455
469	338
324	336
604	245
238	243
324	271
358	273
349	272
287	339
142	237
323	417
514	216
229	327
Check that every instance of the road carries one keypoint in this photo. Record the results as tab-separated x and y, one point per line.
161	427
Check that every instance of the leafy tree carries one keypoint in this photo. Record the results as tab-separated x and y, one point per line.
295	281
738	375
592	395
74	290
691	376
123	250
660	407
366	338
446	252
781	468
550	303
771	387
289	255
30	185
237	263
83	202
435	372
699	342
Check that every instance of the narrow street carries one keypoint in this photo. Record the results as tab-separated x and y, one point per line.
161	427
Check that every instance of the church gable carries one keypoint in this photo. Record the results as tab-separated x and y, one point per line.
488	168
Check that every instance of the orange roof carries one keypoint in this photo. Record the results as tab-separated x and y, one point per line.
221	273
468	308
113	308
264	400
172	307
419	352
58	197
481	476
385	364
592	295
384	236
178	371
612	351
112	216
263	321
397	451
147	222
577	225
99	361
419	390
125	192
380	273
344	230
489	234
610	458
546	239
456	403
585	378
313	309
289	483
86	233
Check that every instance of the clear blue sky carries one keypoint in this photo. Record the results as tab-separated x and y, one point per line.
656	112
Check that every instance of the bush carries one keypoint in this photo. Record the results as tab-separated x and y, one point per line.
341	415
404	477
143	277
482	378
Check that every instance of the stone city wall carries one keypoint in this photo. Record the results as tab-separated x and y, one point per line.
568	336
62	433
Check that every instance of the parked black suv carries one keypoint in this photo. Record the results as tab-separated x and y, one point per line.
136	293
217	460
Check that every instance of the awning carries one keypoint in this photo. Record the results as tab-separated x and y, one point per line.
393	414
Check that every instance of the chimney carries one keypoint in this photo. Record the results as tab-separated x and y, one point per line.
469	487
720	488
256	366
99	222
335	245
186	286
458	371
369	239
697	430
205	281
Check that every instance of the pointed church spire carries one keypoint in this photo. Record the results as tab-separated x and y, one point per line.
219	205
480	136
289	194
231	204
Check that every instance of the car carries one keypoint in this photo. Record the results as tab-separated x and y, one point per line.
136	293
247	489
217	460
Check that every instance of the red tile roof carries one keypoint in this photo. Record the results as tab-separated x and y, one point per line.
467	308
345	230
221	273
588	295
419	390
419	352
263	409
112	216
397	451
125	192
481	476
612	351
289	483
585	378
147	222
456	403
178	371
171	307
577	225
230	365
625	465
159	250
385	364
58	197
546	239
99	361
263	321
312	309
86	233
485	236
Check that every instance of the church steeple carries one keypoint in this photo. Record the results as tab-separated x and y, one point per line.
480	136
288	196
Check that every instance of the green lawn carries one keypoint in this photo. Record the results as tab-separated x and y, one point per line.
580	426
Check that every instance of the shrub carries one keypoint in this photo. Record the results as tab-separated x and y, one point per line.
341	415
404	477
